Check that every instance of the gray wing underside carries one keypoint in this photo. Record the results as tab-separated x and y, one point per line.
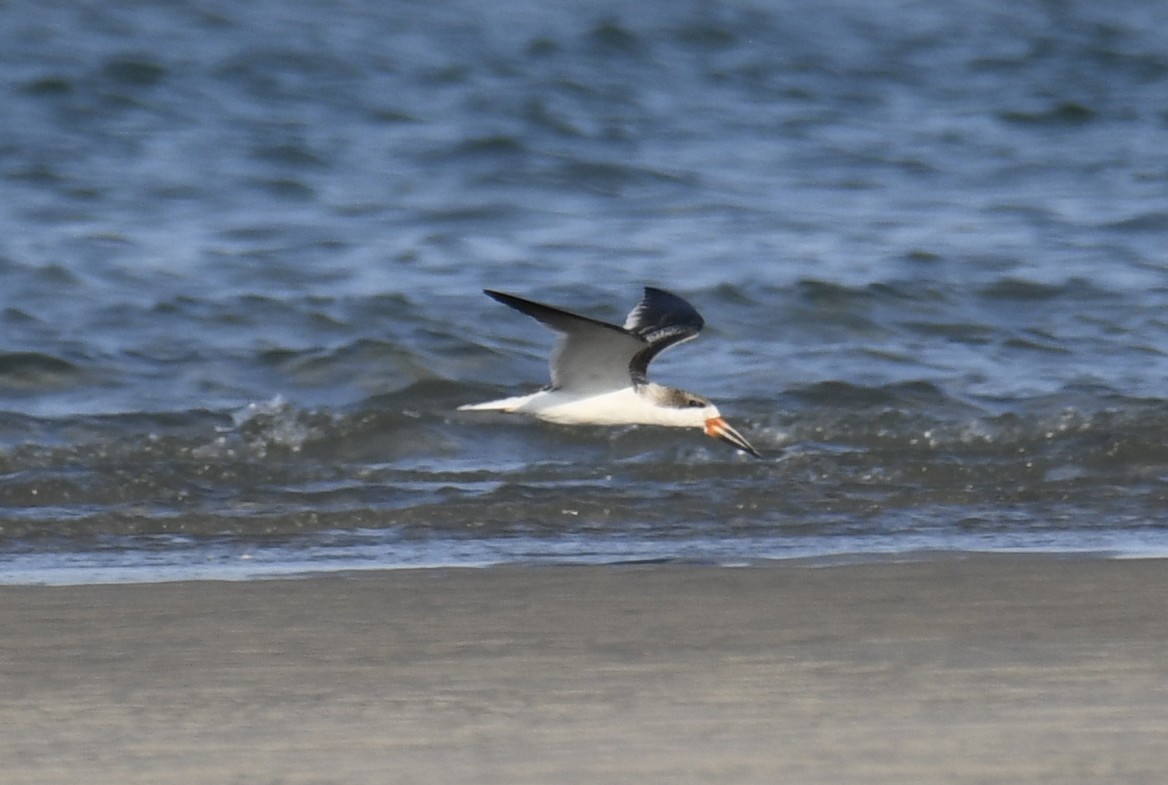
592	356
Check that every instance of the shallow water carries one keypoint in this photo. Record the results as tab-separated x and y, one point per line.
242	249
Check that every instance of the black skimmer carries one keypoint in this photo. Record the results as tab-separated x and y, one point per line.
599	370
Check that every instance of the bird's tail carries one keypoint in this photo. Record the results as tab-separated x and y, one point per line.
501	405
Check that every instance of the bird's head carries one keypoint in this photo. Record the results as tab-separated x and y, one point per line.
696	411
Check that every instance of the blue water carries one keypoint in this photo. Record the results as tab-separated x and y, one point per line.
242	248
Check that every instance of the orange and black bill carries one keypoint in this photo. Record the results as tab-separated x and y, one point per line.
720	429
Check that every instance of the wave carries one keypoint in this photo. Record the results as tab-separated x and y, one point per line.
838	456
26	372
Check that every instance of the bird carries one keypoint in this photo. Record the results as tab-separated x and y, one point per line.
599	371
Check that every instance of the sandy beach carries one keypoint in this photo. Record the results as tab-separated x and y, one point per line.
972	670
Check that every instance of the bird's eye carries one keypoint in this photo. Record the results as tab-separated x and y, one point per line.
696	404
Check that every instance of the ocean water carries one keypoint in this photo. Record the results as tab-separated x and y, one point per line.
242	247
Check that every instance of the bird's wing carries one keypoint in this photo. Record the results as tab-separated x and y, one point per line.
661	319
590	356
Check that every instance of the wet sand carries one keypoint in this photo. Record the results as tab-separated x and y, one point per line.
976	670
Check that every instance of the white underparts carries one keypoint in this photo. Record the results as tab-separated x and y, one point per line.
626	406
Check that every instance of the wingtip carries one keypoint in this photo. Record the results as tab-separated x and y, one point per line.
500	297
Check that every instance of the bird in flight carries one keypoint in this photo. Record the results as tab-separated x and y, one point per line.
599	370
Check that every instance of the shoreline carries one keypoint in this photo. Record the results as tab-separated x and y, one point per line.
39	570
1008	667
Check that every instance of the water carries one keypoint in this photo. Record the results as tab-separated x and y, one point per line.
242	245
